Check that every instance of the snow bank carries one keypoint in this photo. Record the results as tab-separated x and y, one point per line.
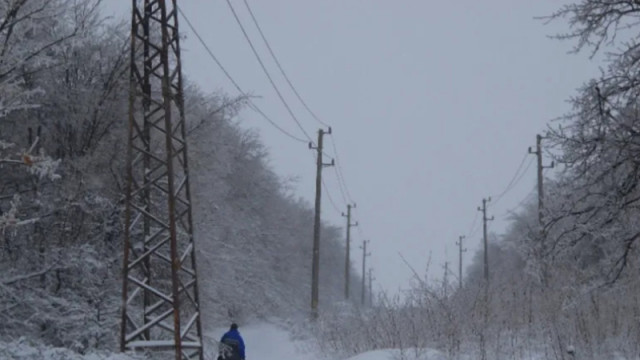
23	349
430	354
395	354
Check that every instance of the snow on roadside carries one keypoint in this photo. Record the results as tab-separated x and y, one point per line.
24	349
430	354
395	354
264	341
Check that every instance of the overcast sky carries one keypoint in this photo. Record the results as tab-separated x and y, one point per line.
433	105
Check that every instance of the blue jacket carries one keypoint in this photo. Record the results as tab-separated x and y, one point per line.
233	338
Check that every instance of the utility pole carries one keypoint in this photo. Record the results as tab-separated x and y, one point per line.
315	267
364	261
347	263
161	308
461	250
538	153
541	167
371	278
446	279
485	240
486	276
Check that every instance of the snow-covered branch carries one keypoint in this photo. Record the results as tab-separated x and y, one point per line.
19	278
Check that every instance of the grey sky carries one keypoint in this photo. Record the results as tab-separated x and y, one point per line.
433	105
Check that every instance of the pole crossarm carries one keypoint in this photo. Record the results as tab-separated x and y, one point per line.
160	277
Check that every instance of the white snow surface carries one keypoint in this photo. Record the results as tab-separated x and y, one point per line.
264	341
395	354
24	349
269	342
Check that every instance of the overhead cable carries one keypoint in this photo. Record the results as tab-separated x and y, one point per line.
284	74
266	72
252	105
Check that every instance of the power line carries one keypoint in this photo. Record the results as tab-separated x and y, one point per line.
342	193
508	187
473	225
515	179
257	109
326	188
273	55
266	72
252	105
524	172
340	172
341	181
359	227
209	51
521	203
333	204
344	190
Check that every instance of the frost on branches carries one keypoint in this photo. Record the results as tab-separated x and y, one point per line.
33	33
57	234
594	204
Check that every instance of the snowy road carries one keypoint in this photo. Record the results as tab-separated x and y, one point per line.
269	342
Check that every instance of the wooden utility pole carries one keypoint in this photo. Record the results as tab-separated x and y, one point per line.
371	278
347	262
541	167
538	153
364	261
161	308
461	250
483	350
485	240
446	279
315	267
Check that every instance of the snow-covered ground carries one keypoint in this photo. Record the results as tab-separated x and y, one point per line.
264	341
25	350
393	354
269	342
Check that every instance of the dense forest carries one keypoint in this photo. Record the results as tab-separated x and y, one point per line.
64	81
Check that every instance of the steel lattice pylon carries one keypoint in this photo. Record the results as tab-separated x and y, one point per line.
160	282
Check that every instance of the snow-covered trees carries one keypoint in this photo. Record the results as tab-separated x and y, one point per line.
253	234
25	49
574	282
63	96
57	267
599	142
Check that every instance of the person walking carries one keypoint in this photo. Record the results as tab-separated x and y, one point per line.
232	345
